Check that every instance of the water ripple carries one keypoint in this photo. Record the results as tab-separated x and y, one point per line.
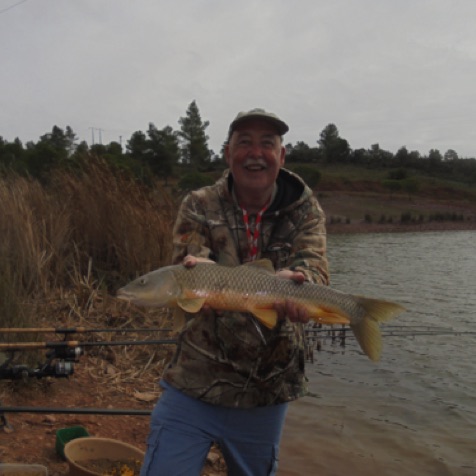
425	382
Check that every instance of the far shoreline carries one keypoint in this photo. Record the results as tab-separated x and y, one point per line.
351	228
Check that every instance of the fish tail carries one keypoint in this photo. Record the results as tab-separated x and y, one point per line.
367	329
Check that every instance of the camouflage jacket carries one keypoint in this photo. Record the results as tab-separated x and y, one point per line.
229	359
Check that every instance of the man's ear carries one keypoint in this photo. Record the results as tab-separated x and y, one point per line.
282	159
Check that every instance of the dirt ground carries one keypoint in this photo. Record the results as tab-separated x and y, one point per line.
30	438
107	377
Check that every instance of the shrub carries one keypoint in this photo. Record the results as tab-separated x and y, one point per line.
397	174
309	174
392	185
194	180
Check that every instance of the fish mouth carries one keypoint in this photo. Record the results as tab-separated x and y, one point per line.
130	298
123	294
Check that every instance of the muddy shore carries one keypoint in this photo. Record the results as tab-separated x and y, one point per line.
339	228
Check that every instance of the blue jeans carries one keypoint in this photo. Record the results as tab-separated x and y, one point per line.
182	430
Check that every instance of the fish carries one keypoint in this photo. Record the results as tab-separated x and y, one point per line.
255	288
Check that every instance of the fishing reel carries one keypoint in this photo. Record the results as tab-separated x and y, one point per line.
60	355
59	364
60	361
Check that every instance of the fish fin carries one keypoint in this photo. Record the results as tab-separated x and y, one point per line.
367	329
378	309
367	333
323	315
179	319
267	316
190	304
261	264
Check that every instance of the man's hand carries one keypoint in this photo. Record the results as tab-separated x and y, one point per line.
289	274
190	261
289	309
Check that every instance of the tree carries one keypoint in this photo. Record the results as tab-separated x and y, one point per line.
100	150
11	153
334	148
378	156
402	157
163	150
137	145
54	149
194	180
360	156
71	138
194	141
114	148
450	154
81	149
63	142
302	153
434	162
435	156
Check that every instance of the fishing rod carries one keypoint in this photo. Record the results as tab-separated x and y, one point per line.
60	357
316	336
80	411
70	411
332	327
428	333
390	331
76	343
77	330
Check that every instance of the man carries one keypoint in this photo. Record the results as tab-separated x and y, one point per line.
231	379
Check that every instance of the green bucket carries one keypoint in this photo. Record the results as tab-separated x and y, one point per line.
65	435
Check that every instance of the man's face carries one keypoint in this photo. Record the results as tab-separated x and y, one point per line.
255	154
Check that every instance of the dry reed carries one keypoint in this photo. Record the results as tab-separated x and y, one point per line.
66	246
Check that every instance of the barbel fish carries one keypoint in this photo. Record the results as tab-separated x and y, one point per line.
255	288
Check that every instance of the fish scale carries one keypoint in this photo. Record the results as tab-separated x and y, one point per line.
255	288
233	288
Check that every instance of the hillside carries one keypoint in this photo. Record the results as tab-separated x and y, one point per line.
356	200
355	212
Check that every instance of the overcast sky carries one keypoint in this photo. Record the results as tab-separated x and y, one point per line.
393	72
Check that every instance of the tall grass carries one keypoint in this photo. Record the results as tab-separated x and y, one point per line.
86	228
123	226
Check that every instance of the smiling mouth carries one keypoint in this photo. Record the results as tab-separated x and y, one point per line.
254	166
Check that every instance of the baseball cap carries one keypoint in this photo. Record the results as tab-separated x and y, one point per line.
259	113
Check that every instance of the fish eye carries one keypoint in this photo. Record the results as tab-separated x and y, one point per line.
143	281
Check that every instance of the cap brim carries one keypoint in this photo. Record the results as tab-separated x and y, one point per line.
280	126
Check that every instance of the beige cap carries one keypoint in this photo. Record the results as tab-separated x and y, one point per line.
259	113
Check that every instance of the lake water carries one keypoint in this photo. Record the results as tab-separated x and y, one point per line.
413	412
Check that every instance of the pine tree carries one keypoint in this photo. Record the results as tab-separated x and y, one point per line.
193	139
163	151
